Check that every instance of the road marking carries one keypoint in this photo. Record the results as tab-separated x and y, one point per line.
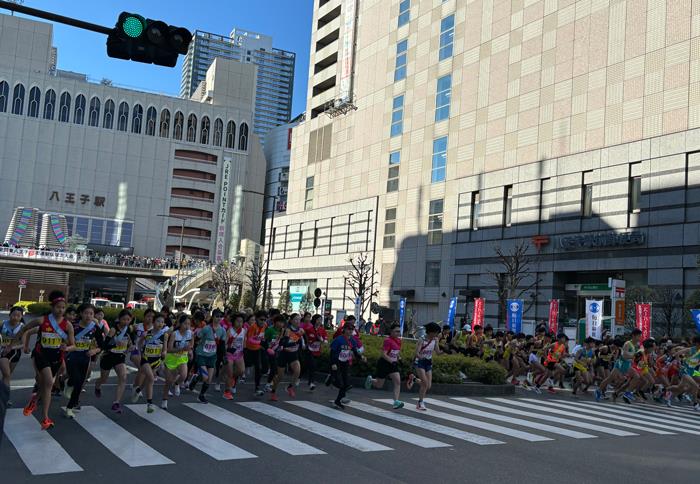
548	418
680	411
578	415
330	433
252	429
692	423
424	424
516	421
203	441
518	434
620	415
38	450
127	447
392	432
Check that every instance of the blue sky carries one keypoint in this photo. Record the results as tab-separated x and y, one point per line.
287	21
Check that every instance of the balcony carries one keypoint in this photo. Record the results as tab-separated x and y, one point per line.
325	11
324	75
328	33
331	49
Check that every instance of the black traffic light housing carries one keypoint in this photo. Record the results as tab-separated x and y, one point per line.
149	41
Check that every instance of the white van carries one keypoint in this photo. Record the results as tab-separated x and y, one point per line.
100	302
114	304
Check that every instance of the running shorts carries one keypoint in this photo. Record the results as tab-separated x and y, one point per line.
623	366
41	362
384	368
111	360
285	358
153	362
424	364
13	356
174	360
206	361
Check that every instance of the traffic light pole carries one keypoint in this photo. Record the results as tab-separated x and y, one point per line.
33	12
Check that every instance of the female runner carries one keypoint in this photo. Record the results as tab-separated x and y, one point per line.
152	345
180	343
116	345
88	341
10	344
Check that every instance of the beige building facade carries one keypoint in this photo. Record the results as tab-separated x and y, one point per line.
449	128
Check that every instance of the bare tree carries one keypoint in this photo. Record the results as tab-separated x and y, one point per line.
516	276
255	278
225	277
362	280
668	309
285	302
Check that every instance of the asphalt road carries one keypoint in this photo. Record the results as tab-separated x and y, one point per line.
528	438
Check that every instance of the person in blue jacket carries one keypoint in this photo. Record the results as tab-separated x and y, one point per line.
343	349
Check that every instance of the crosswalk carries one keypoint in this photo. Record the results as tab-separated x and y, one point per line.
305	428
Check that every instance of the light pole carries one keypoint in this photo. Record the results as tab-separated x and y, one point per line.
179	258
269	243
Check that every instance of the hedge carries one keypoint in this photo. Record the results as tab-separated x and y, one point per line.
446	368
111	314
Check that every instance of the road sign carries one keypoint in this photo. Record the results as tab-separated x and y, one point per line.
22	282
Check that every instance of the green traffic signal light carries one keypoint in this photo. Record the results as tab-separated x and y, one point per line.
133	25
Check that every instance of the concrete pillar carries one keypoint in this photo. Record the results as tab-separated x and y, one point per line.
130	286
76	286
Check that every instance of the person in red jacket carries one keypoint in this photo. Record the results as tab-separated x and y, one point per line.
315	337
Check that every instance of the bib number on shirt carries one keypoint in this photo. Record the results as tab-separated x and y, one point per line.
83	344
51	340
210	346
120	348
152	351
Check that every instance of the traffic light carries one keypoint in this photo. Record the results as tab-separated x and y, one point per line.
317	295
149	41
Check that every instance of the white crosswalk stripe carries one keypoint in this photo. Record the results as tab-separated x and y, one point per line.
505	419
540	406
118	441
424	424
31	442
498	429
394	433
549	418
203	441
330	433
271	437
618	414
635	411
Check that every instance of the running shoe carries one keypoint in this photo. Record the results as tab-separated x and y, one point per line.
259	393
164	404
291	391
515	382
397	404
69	391
345	401
410	381
628	398
267	388
150	408
339	405
136	396
47	424
312	387
687	398
228	395
217	387
69	413
551	390
273	397
537	390
30	407
176	390
98	392
193	383
368	382
598	395
696	407
202	399
421	405
117	408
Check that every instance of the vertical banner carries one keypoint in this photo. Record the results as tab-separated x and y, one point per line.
594	319
478	317
643	312
451	314
347	52
358	309
515	315
695	313
617	297
554	316
223	211
402	313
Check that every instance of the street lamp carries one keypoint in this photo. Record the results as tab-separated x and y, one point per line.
179	258
269	248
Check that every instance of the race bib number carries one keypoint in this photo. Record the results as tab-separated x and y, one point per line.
345	355
120	348
394	355
83	344
152	351
51	340
210	346
315	346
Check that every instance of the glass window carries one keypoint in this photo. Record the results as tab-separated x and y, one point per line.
96	231
164	124
4	94
636	194
34	102
447	33
392	183
439	160
587	201
435	222
127	231
81	227
136	118
218	132
123	117
401	56
108	120
476	210
243	137
507	205
442	98
397	116
192	128
404	12
79	112
18	99
64	109
69	225
112	232
390	228
432	274
179	125
49	104
204	131
309	195
231	135
94	115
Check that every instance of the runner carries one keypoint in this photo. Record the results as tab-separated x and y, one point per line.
55	337
205	356
179	347
622	369
555	354
315	337
690	372
583	359
221	364
271	345
116	344
343	349
11	344
290	341
388	365
423	363
140	330
88	341
235	364
253	353
151	344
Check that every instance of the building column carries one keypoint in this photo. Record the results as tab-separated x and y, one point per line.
130	286
76	286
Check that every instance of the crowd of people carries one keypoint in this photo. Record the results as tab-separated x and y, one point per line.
214	350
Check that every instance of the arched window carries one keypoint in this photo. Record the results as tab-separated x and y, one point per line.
218	132
136	119
18	99
204	131
151	116
79	112
4	93
108	120
49	104
192	128
123	116
165	124
34	102
231	135
64	109
94	116
243	137
179	123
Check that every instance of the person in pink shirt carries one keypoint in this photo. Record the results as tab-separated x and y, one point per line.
388	365
315	337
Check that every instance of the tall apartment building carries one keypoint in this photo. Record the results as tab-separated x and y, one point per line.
438	131
273	94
